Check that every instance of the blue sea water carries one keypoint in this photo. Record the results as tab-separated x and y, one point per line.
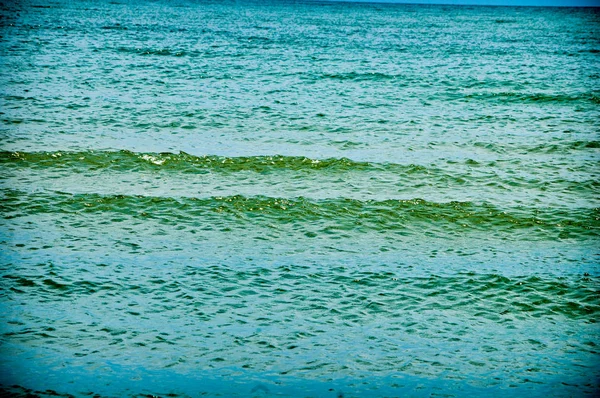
298	198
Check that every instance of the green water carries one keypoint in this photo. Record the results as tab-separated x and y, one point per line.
298	199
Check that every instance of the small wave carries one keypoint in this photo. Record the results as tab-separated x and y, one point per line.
491	296
114	27
476	295
562	147
19	98
360	76
339	214
126	160
517	97
387	176
153	51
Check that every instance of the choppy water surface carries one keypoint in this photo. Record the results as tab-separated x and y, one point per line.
298	199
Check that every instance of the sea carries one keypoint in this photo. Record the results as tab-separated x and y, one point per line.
298	199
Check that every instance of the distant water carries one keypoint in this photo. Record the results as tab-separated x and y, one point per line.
298	199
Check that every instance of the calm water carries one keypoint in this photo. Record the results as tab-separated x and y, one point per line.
298	199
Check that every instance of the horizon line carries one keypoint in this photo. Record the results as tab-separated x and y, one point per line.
484	3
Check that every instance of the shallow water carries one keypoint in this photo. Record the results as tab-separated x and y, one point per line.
298	199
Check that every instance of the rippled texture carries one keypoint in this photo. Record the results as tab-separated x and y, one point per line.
405	217
298	199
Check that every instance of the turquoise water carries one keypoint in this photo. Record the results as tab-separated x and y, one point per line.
298	199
